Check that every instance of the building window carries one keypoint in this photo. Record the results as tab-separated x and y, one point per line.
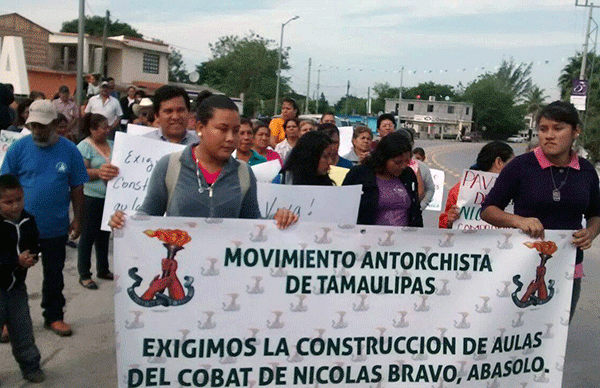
151	62
451	109
411	107
429	108
467	110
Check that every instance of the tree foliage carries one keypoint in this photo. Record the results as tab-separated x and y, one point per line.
356	106
494	109
535	100
246	65
95	26
428	89
514	79
177	71
590	136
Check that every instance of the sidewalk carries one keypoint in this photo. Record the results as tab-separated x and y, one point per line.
86	359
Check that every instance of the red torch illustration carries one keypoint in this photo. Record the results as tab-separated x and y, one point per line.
173	240
538	286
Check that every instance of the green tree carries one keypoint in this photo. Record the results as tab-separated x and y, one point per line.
246	65
572	70
535	100
95	26
590	137
382	91
494	109
356	106
177	71
514	79
428	89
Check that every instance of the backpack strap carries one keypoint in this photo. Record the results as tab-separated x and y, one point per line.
244	177
172	176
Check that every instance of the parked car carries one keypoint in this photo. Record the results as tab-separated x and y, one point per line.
471	136
515	139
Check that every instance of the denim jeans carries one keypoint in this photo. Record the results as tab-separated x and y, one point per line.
14	312
91	235
53	262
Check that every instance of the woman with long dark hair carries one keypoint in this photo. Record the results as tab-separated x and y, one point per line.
309	161
389	186
491	158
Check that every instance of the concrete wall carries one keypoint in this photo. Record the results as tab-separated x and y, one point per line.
440	109
132	64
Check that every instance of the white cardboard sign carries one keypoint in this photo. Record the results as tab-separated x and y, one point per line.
337	204
7	138
136	157
438	180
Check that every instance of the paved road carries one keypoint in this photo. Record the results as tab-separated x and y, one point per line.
87	359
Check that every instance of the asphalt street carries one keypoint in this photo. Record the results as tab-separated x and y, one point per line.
88	358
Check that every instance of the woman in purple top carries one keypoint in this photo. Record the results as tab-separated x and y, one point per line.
390	189
552	188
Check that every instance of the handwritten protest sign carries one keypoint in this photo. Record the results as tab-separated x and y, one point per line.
474	186
311	203
7	138
139	130
438	180
136	157
241	303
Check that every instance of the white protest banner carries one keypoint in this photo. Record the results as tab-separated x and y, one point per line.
239	303
7	138
345	140
136	157
139	130
266	172
337	204
474	186
438	180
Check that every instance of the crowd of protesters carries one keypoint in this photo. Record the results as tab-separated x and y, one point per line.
66	161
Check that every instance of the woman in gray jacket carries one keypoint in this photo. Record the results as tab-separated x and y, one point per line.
204	180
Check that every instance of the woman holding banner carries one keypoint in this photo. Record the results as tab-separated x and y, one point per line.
551	187
96	150
204	180
492	158
309	161
389	188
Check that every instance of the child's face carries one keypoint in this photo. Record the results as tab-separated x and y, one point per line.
11	204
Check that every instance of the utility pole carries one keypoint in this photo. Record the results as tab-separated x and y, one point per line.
307	87
81	28
400	95
347	96
587	38
104	34
279	65
369	100
318	86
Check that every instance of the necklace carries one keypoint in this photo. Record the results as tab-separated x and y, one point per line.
556	191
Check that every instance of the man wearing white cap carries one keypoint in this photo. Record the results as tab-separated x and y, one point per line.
107	106
52	173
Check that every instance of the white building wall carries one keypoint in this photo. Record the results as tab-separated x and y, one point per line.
132	66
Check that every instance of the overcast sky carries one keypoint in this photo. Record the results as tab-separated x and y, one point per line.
444	41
